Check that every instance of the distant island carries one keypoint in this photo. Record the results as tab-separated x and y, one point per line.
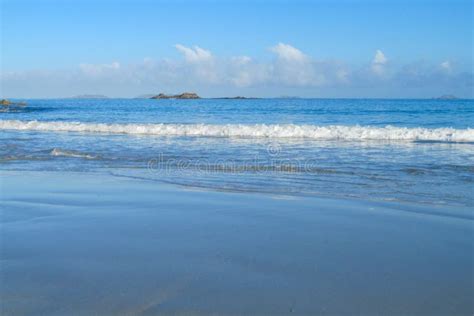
185	95
190	95
90	96
236	98
447	97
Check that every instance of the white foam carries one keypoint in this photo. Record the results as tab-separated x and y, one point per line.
333	132
70	153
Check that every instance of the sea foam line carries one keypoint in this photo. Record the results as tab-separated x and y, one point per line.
70	153
332	132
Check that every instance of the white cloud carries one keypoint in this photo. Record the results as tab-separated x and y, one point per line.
343	75
294	68
195	54
241	60
288	52
98	69
446	66
201	64
200	69
379	58
379	62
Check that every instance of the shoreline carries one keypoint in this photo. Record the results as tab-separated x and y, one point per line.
92	243
246	98
462	212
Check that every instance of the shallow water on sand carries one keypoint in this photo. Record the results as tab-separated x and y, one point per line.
75	243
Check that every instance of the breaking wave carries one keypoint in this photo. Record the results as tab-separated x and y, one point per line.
333	132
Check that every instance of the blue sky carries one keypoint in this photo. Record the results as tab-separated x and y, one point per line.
260	48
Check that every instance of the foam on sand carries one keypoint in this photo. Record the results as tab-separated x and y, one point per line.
332	132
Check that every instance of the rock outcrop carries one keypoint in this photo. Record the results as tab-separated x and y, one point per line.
185	95
236	98
5	102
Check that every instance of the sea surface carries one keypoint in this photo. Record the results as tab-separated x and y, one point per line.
410	151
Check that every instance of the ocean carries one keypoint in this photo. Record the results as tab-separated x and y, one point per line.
237	207
402	150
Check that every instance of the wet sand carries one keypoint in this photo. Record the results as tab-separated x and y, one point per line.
84	244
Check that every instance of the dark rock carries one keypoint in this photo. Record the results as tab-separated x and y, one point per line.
185	95
5	102
236	98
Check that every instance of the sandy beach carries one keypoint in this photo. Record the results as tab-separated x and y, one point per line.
236	158
85	244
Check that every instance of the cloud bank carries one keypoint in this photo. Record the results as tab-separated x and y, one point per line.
288	70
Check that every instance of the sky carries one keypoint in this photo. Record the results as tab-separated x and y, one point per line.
373	49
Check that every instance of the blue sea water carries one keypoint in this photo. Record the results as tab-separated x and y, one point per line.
415	151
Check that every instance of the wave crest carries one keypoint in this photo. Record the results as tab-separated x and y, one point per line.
332	132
